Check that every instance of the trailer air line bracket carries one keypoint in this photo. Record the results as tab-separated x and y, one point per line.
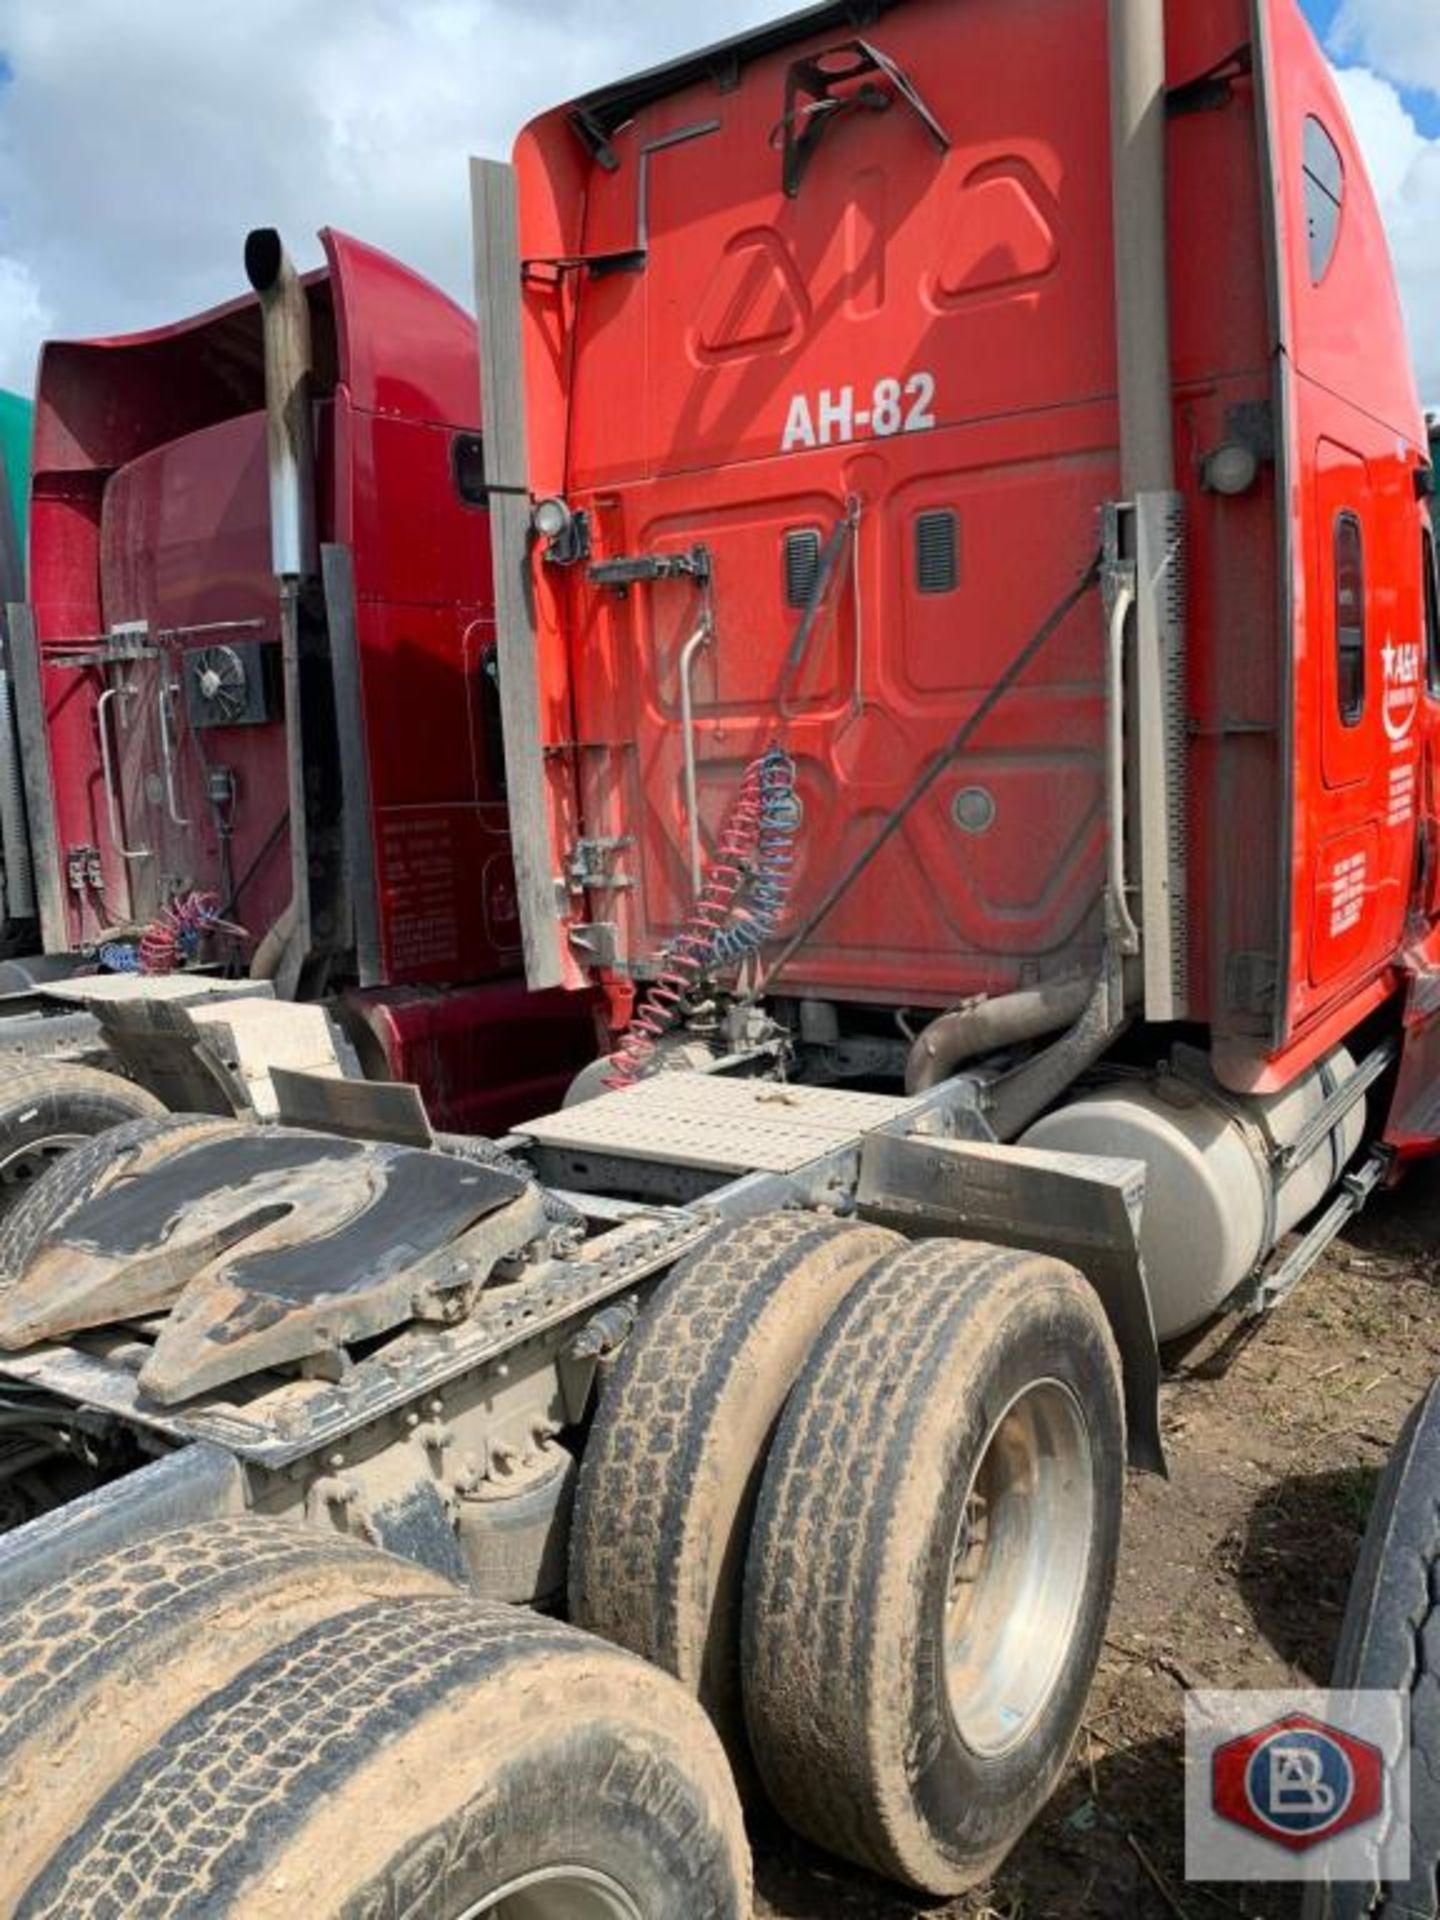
1076	1207
812	102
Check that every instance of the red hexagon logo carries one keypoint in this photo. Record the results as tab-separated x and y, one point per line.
1297	1782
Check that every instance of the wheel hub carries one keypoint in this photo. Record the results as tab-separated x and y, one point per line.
26	1164
557	1893
1018	1567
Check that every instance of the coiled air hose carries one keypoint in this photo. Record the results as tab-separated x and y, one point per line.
172	939
741	905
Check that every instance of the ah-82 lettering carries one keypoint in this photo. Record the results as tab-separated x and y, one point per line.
896	406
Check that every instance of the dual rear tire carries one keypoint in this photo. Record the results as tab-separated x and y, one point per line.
861	1499
907	1601
240	1719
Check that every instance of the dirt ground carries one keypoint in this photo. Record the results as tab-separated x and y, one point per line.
1234	1574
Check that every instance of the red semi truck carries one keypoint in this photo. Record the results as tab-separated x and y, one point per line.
969	669
308	740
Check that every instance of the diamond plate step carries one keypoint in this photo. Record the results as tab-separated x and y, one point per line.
727	1126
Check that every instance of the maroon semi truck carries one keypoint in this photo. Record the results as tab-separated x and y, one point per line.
258	720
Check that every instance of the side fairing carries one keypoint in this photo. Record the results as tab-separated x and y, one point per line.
406	427
1359	722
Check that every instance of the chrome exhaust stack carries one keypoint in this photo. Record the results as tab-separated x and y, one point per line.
1152	526
290	450
290	433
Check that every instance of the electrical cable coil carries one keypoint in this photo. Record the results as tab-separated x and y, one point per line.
741	905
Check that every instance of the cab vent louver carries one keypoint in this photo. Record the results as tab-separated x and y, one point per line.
937	551
802	566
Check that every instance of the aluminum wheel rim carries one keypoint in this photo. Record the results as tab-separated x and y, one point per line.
557	1893
26	1164
1018	1568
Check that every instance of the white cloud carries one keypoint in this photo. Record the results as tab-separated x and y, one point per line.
141	139
140	142
1405	167
24	321
1398	39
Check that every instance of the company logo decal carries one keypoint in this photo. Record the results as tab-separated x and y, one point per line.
1401	701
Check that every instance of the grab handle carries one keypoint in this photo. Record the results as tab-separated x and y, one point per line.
107	769
168	691
699	638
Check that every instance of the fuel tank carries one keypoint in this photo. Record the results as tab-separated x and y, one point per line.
1220	1192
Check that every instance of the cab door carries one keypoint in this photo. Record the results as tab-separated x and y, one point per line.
1345	670
1355	434
1429	825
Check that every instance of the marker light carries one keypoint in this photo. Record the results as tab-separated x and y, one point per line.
550	518
1232	468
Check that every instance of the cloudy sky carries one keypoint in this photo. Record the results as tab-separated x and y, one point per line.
141	139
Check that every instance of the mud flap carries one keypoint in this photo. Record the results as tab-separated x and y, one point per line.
217	1055
417	1525
356	1109
1080	1209
1413	1123
158	1044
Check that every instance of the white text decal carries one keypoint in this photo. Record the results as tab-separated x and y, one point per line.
896	406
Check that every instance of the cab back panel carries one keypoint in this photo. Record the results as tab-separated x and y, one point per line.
185	544
920	343
151	503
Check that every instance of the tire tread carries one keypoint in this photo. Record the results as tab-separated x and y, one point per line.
74	1179
831	1527
663	1439
1390	1638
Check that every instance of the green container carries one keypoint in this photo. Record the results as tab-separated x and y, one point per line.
16	416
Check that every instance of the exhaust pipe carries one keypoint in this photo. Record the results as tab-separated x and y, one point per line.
290	434
984	1026
1142	296
290	450
1153	518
